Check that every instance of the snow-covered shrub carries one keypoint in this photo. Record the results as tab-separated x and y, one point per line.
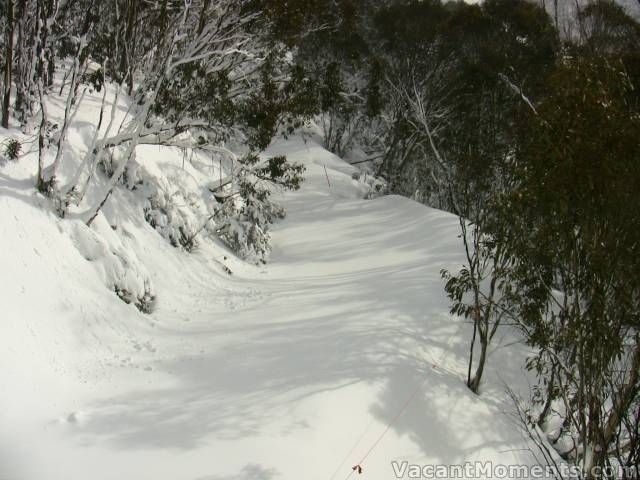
243	223
172	206
244	219
109	163
183	204
377	185
116	262
171	222
11	149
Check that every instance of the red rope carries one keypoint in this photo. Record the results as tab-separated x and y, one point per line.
395	419
346	457
358	466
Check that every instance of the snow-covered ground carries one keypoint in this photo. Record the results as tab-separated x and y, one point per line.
286	371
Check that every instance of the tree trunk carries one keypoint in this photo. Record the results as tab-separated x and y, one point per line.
474	384
22	102
71	100
471	348
549	400
41	184
622	399
8	67
203	16
128	44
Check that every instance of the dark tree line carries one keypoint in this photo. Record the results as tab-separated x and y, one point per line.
526	125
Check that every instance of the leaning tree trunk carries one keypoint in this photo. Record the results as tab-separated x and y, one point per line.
474	383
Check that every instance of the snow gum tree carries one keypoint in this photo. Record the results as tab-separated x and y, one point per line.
199	72
575	246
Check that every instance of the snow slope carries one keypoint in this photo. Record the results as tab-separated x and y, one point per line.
292	370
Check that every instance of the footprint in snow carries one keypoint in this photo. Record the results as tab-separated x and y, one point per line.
75	418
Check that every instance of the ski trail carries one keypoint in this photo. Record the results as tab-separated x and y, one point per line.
272	372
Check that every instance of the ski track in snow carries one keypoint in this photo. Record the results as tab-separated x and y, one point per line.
273	372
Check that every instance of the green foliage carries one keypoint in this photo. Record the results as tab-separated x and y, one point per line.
410	28
608	29
522	37
95	79
340	106
262	111
286	99
205	95
578	175
466	48
280	172
244	219
573	239
290	21
301	94
374	101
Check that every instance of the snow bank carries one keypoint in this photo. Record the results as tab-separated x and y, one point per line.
278	371
116	262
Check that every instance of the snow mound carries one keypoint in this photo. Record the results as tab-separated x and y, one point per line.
115	261
176	200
